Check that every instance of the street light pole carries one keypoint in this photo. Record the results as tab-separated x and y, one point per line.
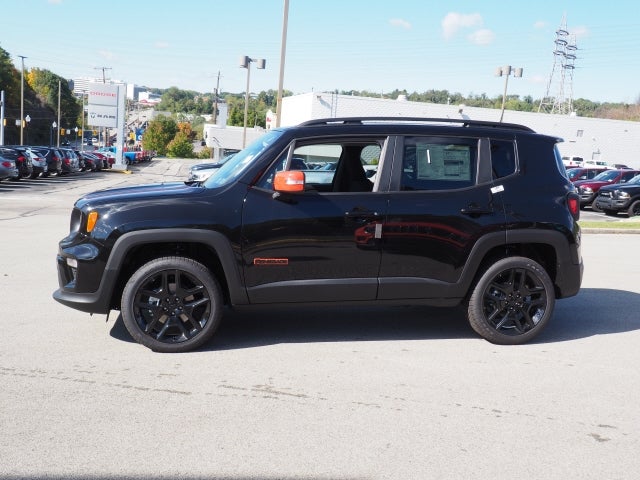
22	101
506	71
245	62
28	120
53	127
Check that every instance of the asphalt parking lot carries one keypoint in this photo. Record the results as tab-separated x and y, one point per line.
339	393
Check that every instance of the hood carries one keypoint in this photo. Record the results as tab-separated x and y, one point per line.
135	193
591	183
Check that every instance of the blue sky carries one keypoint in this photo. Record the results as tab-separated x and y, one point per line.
375	45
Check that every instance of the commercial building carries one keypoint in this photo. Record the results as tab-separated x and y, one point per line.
611	141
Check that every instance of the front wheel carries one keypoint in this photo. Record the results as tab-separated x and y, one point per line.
172	304
512	302
634	209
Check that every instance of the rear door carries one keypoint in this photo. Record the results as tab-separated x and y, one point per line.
443	198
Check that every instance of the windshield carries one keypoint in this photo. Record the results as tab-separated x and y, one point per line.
573	173
606	176
233	168
635	179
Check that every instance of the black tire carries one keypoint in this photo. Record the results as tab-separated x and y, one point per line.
172	304
634	209
34	175
512	302
611	213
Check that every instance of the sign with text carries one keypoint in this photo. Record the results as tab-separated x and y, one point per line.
103	116
103	94
102	106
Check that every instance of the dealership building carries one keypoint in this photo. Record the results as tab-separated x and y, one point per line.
611	141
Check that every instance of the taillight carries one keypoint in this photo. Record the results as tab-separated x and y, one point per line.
573	203
6	164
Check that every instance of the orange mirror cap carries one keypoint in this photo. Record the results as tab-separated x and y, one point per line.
289	181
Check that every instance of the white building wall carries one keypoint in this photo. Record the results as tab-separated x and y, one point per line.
613	141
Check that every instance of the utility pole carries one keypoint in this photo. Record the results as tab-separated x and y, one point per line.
22	101
215	100
104	78
283	50
59	120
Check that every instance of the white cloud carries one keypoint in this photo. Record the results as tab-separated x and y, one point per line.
539	25
452	22
161	44
106	54
398	22
579	32
482	37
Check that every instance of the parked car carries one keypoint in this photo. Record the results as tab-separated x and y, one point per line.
588	189
106	161
463	212
22	161
53	157
8	168
571	162
70	161
38	161
584	173
625	197
201	171
91	161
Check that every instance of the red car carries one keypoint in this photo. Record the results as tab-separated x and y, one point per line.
584	173
588	189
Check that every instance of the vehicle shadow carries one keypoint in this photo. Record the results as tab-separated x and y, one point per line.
592	312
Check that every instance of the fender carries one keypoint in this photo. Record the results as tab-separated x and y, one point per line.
216	240
100	300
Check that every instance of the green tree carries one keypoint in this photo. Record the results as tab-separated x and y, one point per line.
159	133
9	76
47	86
180	146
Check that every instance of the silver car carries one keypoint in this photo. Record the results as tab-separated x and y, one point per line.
8	168
38	160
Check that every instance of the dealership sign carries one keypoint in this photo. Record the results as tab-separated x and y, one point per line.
103	105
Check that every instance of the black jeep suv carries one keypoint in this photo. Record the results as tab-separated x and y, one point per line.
458	212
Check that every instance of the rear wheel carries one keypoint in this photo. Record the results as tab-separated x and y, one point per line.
634	209
512	302
172	304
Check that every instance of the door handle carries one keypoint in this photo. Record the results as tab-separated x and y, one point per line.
475	210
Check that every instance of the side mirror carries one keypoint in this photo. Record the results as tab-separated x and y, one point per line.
289	181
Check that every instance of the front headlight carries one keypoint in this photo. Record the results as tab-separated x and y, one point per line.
588	190
622	195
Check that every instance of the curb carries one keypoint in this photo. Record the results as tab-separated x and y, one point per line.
610	230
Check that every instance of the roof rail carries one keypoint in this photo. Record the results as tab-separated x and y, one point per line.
364	120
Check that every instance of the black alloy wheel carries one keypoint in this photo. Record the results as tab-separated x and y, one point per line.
634	209
172	304
512	302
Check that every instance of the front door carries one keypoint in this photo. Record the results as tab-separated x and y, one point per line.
318	245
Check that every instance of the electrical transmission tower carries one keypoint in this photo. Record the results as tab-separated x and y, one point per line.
559	96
